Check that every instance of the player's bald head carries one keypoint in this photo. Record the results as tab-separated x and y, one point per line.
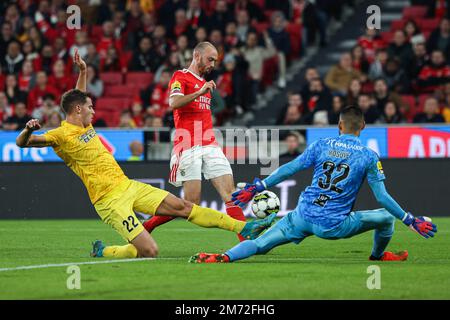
202	46
351	120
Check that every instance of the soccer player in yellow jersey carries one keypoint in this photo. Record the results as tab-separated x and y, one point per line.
114	196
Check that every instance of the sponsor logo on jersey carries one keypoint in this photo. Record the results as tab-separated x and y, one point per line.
87	136
196	86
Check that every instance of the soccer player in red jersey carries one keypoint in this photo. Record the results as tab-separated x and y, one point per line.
196	151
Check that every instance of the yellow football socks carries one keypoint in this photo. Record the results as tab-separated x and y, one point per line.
209	218
127	251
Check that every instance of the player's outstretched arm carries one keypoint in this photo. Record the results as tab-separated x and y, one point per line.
421	225
82	76
178	101
27	139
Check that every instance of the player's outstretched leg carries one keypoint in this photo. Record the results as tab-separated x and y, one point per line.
383	222
210	218
142	246
266	242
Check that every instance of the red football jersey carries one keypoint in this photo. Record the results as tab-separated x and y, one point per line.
195	117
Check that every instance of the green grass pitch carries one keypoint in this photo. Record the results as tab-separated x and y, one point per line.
314	269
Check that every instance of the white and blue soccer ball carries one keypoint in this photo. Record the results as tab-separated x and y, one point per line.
265	203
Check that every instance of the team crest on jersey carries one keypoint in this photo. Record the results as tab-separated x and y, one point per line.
87	136
176	87
380	167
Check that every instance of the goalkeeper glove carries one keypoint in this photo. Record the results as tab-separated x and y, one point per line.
421	225
243	196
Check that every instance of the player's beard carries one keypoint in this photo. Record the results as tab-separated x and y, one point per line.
203	69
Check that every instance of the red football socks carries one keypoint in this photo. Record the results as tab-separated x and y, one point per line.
155	221
235	212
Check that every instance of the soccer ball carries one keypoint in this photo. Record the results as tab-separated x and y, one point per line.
265	203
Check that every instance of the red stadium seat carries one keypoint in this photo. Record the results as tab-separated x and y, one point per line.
111	117
120	91
111	78
295	37
398	24
112	104
421	103
96	32
139	79
260	27
410	101
428	24
387	36
414	12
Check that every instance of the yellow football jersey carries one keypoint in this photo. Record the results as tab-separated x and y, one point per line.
83	152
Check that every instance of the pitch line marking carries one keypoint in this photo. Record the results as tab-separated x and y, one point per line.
55	265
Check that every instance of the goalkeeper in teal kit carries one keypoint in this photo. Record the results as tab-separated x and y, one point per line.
325	207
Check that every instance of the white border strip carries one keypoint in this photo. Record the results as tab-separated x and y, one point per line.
43	266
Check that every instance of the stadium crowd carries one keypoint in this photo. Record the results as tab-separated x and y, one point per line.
396	76
132	47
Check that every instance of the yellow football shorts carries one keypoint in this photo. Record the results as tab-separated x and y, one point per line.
118	206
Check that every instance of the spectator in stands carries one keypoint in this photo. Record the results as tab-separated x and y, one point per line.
401	49
131	19
19	119
254	11
28	50
48	106
446	109
46	59
435	74
319	97
12	90
359	61
182	26
156	97
231	38
225	84
136	149
200	35
111	62
13	60
216	39
255	56
376	69
243	26
371	42
61	51
36	95
107	40
221	16
340	75
311	73
94	83
54	120
382	95
126	120
81	44
7	36
440	39
420	59
92	56
292	142
411	29
430	112
6	109
161	43
148	25
196	15
337	105
365	103
395	76
280	38
137	113
293	117
391	114
172	63
353	92
294	99
185	53
37	38
145	59
27	76
59	78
